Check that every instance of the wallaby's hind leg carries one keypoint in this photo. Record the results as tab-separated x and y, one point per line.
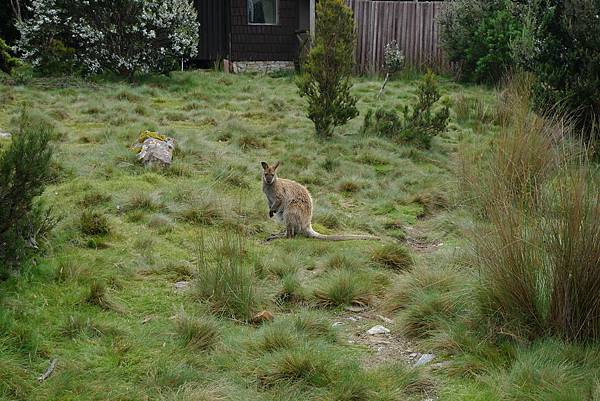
290	232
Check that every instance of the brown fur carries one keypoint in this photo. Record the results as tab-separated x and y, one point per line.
292	205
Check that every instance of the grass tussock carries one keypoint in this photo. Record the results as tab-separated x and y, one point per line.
94	223
393	256
98	296
343	287
538	245
276	336
226	276
204	210
92	199
315	325
297	365
201	334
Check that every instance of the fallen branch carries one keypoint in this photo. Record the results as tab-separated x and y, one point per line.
48	371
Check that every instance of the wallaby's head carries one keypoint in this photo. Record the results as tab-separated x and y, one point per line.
269	172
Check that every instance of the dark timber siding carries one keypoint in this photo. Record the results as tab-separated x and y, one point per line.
213	16
264	42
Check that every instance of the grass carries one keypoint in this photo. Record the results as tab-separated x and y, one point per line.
198	334
102	298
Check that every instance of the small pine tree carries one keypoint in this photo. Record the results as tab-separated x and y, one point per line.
325	81
24	170
7	61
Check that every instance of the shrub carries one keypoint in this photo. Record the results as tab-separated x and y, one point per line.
564	55
326	77
24	167
150	35
477	34
226	277
419	124
393	61
7	61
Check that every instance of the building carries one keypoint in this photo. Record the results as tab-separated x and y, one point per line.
254	35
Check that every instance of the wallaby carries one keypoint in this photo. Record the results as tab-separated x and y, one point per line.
292	205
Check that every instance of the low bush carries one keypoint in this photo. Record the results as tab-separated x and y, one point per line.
418	124
24	167
478	35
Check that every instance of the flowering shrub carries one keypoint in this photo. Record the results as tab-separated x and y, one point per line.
393	57
124	36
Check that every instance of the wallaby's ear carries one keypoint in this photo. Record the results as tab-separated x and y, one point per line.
264	165
276	166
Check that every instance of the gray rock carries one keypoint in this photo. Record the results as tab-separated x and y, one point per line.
5	135
154	151
379	329
424	359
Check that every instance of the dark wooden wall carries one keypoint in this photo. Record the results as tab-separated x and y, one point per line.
264	42
214	17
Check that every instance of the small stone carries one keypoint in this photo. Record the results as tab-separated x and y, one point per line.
336	324
413	355
146	319
379	329
182	285
261	317
354	308
5	135
424	359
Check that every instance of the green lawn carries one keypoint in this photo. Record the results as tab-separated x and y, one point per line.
107	308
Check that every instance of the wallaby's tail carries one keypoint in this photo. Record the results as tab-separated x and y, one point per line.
311	233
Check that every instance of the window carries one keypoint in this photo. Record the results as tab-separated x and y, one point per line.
262	11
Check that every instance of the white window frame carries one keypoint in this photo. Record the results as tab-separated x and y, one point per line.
265	23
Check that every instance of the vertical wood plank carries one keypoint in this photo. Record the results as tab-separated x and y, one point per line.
412	24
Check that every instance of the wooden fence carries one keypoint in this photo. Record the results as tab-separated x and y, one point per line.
412	24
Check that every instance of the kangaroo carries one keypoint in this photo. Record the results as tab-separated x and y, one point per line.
292	205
